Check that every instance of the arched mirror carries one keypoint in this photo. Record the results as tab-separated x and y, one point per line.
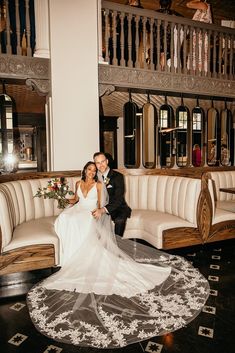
166	123
131	134
149	135
198	130
226	127
8	150
183	136
213	136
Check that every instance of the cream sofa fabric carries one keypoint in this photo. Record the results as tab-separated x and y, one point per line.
27	220
158	203
224	203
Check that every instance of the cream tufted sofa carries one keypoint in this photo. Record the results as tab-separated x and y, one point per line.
161	203
27	239
169	211
223	203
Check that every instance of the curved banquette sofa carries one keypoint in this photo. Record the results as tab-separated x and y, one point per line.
168	211
223	204
27	237
160	204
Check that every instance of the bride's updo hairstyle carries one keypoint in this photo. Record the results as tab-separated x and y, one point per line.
85	168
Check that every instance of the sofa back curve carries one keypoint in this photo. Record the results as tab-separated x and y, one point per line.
171	194
18	204
223	179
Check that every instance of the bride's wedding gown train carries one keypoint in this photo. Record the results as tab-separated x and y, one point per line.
111	292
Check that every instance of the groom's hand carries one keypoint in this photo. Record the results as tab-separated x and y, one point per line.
97	213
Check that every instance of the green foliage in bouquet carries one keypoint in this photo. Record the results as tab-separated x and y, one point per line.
57	189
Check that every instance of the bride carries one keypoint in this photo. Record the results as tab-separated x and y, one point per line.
111	292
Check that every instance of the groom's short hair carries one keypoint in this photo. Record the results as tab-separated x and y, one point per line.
96	154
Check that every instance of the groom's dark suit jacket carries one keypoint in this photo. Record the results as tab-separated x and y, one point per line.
117	205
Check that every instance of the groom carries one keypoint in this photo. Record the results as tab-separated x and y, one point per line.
116	206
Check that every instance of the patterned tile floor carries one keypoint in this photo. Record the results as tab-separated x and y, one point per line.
211	332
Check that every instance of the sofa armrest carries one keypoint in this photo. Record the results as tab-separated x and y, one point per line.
204	210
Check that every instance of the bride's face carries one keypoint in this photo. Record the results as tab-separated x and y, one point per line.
91	171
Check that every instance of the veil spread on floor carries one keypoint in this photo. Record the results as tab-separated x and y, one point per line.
114	292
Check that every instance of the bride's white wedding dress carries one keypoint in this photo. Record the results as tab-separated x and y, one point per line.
111	292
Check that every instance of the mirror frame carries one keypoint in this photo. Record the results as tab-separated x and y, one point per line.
188	131
149	111
202	144
131	129
213	137
229	133
164	137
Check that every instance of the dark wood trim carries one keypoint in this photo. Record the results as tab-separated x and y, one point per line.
223	230
181	237
228	190
38	175
204	210
185	172
27	258
192	172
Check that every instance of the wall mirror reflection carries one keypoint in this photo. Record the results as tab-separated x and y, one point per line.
213	138
149	135
8	151
198	128
108	139
166	123
131	135
183	133
226	136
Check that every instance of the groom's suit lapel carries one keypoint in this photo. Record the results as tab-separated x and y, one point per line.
110	174
110	177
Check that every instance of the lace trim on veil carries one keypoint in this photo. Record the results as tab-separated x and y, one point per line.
116	292
113	321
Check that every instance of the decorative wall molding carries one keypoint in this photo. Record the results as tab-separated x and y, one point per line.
42	87
35	71
106	89
164	81
23	67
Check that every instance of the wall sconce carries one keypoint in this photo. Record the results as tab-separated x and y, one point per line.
10	163
8	158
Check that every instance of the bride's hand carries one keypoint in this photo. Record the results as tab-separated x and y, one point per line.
97	213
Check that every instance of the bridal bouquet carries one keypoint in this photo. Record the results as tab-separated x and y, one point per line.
57	189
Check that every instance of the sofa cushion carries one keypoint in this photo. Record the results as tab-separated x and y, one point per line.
227	205
167	194
223	179
38	231
223	203
18	204
222	215
149	225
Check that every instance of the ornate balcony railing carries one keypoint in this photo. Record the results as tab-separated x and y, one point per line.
17	27
141	39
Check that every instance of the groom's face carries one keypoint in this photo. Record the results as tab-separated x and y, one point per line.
101	163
